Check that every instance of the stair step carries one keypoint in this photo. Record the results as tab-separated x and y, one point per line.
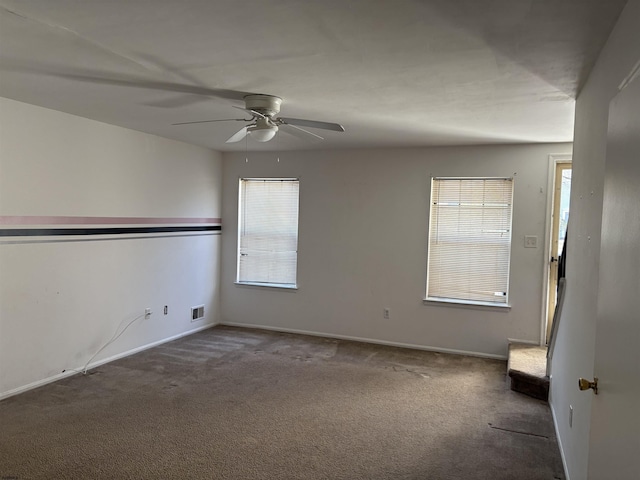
527	370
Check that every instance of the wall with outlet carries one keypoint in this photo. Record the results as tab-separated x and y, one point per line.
362	249
62	297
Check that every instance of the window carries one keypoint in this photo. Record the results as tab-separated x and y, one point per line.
268	232
470	240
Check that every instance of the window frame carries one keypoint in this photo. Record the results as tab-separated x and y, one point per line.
468	303
253	283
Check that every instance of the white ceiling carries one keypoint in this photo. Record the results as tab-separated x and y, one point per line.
393	72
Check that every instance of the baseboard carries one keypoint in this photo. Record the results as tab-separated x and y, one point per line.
68	372
526	342
367	340
559	440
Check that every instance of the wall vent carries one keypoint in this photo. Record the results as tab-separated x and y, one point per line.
197	313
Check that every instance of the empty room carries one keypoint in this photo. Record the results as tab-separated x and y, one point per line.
290	239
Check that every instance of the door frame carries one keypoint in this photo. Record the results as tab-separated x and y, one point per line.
554	160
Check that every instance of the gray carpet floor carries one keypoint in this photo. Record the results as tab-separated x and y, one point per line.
230	403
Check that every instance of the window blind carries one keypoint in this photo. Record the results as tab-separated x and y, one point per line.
470	239
268	231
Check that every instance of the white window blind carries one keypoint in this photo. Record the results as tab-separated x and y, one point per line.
470	240
268	231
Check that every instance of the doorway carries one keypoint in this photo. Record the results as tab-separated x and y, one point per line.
559	220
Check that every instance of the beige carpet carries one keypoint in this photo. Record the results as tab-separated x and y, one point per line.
230	403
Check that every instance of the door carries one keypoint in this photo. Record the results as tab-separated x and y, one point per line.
560	216
614	440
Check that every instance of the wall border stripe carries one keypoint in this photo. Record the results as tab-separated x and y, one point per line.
50	232
78	220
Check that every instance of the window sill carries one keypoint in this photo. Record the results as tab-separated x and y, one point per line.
279	286
444	302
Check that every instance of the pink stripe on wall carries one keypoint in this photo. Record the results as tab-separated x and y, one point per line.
59	220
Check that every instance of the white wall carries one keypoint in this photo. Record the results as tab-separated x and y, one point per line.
574	354
61	300
363	245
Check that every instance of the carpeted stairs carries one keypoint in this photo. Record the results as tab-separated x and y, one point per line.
527	370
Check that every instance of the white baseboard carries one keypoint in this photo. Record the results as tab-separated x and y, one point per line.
68	372
559	440
367	340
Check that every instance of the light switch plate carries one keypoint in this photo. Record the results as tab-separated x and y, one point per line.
530	241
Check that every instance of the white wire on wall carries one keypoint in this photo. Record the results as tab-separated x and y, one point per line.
115	336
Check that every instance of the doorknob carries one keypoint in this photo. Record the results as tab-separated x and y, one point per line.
584	384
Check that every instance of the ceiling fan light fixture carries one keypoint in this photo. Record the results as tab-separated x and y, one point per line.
263	134
264	124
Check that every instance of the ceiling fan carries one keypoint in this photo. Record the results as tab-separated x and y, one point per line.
263	125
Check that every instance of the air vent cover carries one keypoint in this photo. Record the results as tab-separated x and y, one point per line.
197	313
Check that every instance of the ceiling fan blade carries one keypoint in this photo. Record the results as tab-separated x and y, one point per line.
155	85
301	133
336	127
252	112
239	135
179	101
106	78
210	121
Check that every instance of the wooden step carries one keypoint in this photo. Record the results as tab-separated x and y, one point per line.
527	370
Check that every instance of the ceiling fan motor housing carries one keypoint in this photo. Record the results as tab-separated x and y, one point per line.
267	105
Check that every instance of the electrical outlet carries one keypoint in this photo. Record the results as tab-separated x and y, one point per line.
147	312
386	314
